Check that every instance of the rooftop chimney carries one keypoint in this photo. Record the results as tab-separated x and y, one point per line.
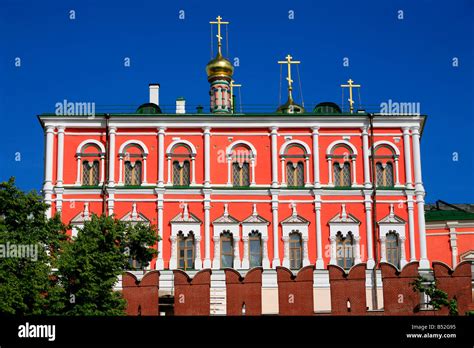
154	93
180	105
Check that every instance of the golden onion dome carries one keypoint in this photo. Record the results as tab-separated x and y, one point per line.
219	66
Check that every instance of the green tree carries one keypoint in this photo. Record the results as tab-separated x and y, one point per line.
438	297
89	265
26	282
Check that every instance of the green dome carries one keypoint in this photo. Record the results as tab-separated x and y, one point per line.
148	108
327	108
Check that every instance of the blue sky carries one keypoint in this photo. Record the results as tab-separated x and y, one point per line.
407	60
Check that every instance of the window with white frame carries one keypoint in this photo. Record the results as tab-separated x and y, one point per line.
133	163
341	156
392	239
386	164
294	156
90	158
226	241
241	159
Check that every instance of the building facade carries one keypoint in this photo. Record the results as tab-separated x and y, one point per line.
289	188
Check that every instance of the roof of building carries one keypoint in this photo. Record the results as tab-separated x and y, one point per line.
443	211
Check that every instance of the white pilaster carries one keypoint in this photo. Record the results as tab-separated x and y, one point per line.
286	251
48	170
354	175
333	260
365	150
368	222
357	259
207	231
454	244
237	262
305	251
112	133
411	227
102	168
274	140
193	168
144	170
161	156
330	171
60	163
319	238
207	156
315	134
160	205
307	175
403	254
120	180
197	247
407	155
78	173
275	222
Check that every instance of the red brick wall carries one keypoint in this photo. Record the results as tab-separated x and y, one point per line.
398	295
192	296
246	290
346	287
457	283
295	294
141	297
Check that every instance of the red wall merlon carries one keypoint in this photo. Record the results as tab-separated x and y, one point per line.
244	290
295	293
192	296
348	287
141	296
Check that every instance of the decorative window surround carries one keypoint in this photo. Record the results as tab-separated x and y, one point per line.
78	221
392	223
294	223
230	159
258	224
283	158
226	223
344	223
186	223
122	154
79	155
192	157
352	160
396	156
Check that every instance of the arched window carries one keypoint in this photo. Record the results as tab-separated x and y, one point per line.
342	174
181	173
392	244
227	250
133	157
186	251
295	247
255	249
384	174
181	155
133	173
89	159
294	155
90	173
345	250
241	164
240	174
295	173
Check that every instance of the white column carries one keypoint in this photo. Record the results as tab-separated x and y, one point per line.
207	157
403	255
420	202
333	260
365	154
305	251
229	170
286	251
245	257
383	249
274	140
102	168
169	170
306	160
197	246
252	165
368	223
159	261
357	250
112	132
60	163
354	176
174	253
216	262
78	174
265	261
407	154
283	172
275	222
207	232
315	134
411	227
48	181
161	156
237	263
454	245
329	170
319	238
397	176
48	173
193	168
144	170
120	180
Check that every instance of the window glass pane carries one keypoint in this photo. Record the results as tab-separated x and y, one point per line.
85	173
246	174
290	173
128	173
137	171
186	175
337	174
176	173
347	174
227	261
226	247
389	174
236	174
300	174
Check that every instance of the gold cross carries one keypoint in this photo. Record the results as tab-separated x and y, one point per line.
219	37
232	85
289	61
350	86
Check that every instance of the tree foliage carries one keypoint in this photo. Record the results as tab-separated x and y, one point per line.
438	298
